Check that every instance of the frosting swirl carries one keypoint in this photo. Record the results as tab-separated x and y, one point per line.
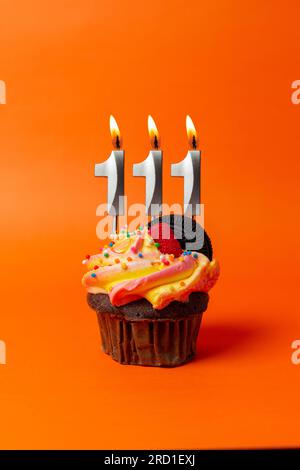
132	267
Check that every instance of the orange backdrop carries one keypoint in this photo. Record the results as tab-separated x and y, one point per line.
67	66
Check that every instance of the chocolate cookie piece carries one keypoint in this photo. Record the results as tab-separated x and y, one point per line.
142	309
186	230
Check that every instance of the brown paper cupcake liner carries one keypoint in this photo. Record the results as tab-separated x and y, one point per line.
158	342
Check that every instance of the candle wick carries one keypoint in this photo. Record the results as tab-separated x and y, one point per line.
117	142
194	142
155	142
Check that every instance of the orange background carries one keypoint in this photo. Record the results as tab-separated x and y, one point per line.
67	66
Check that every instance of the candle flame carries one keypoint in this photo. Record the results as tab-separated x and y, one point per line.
115	133
191	133
153	133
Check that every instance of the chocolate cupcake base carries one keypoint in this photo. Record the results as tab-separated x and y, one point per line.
138	334
162	342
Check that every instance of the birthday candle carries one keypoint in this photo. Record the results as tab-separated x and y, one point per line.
151	169
113	169
190	170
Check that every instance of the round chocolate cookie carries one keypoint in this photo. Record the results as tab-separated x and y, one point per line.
187	231
142	309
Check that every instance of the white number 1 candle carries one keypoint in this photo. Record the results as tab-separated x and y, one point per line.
151	169
190	170
113	169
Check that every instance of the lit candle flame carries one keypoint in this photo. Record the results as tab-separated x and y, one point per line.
153	133
191	133
115	133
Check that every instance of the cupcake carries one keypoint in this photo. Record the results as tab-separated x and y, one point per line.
149	295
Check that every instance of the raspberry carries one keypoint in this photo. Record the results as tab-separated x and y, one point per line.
164	237
191	232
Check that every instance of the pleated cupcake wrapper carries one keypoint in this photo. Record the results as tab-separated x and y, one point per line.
159	342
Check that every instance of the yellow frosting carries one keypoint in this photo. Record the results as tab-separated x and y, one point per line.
132	267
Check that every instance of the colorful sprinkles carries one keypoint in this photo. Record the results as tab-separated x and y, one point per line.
187	253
